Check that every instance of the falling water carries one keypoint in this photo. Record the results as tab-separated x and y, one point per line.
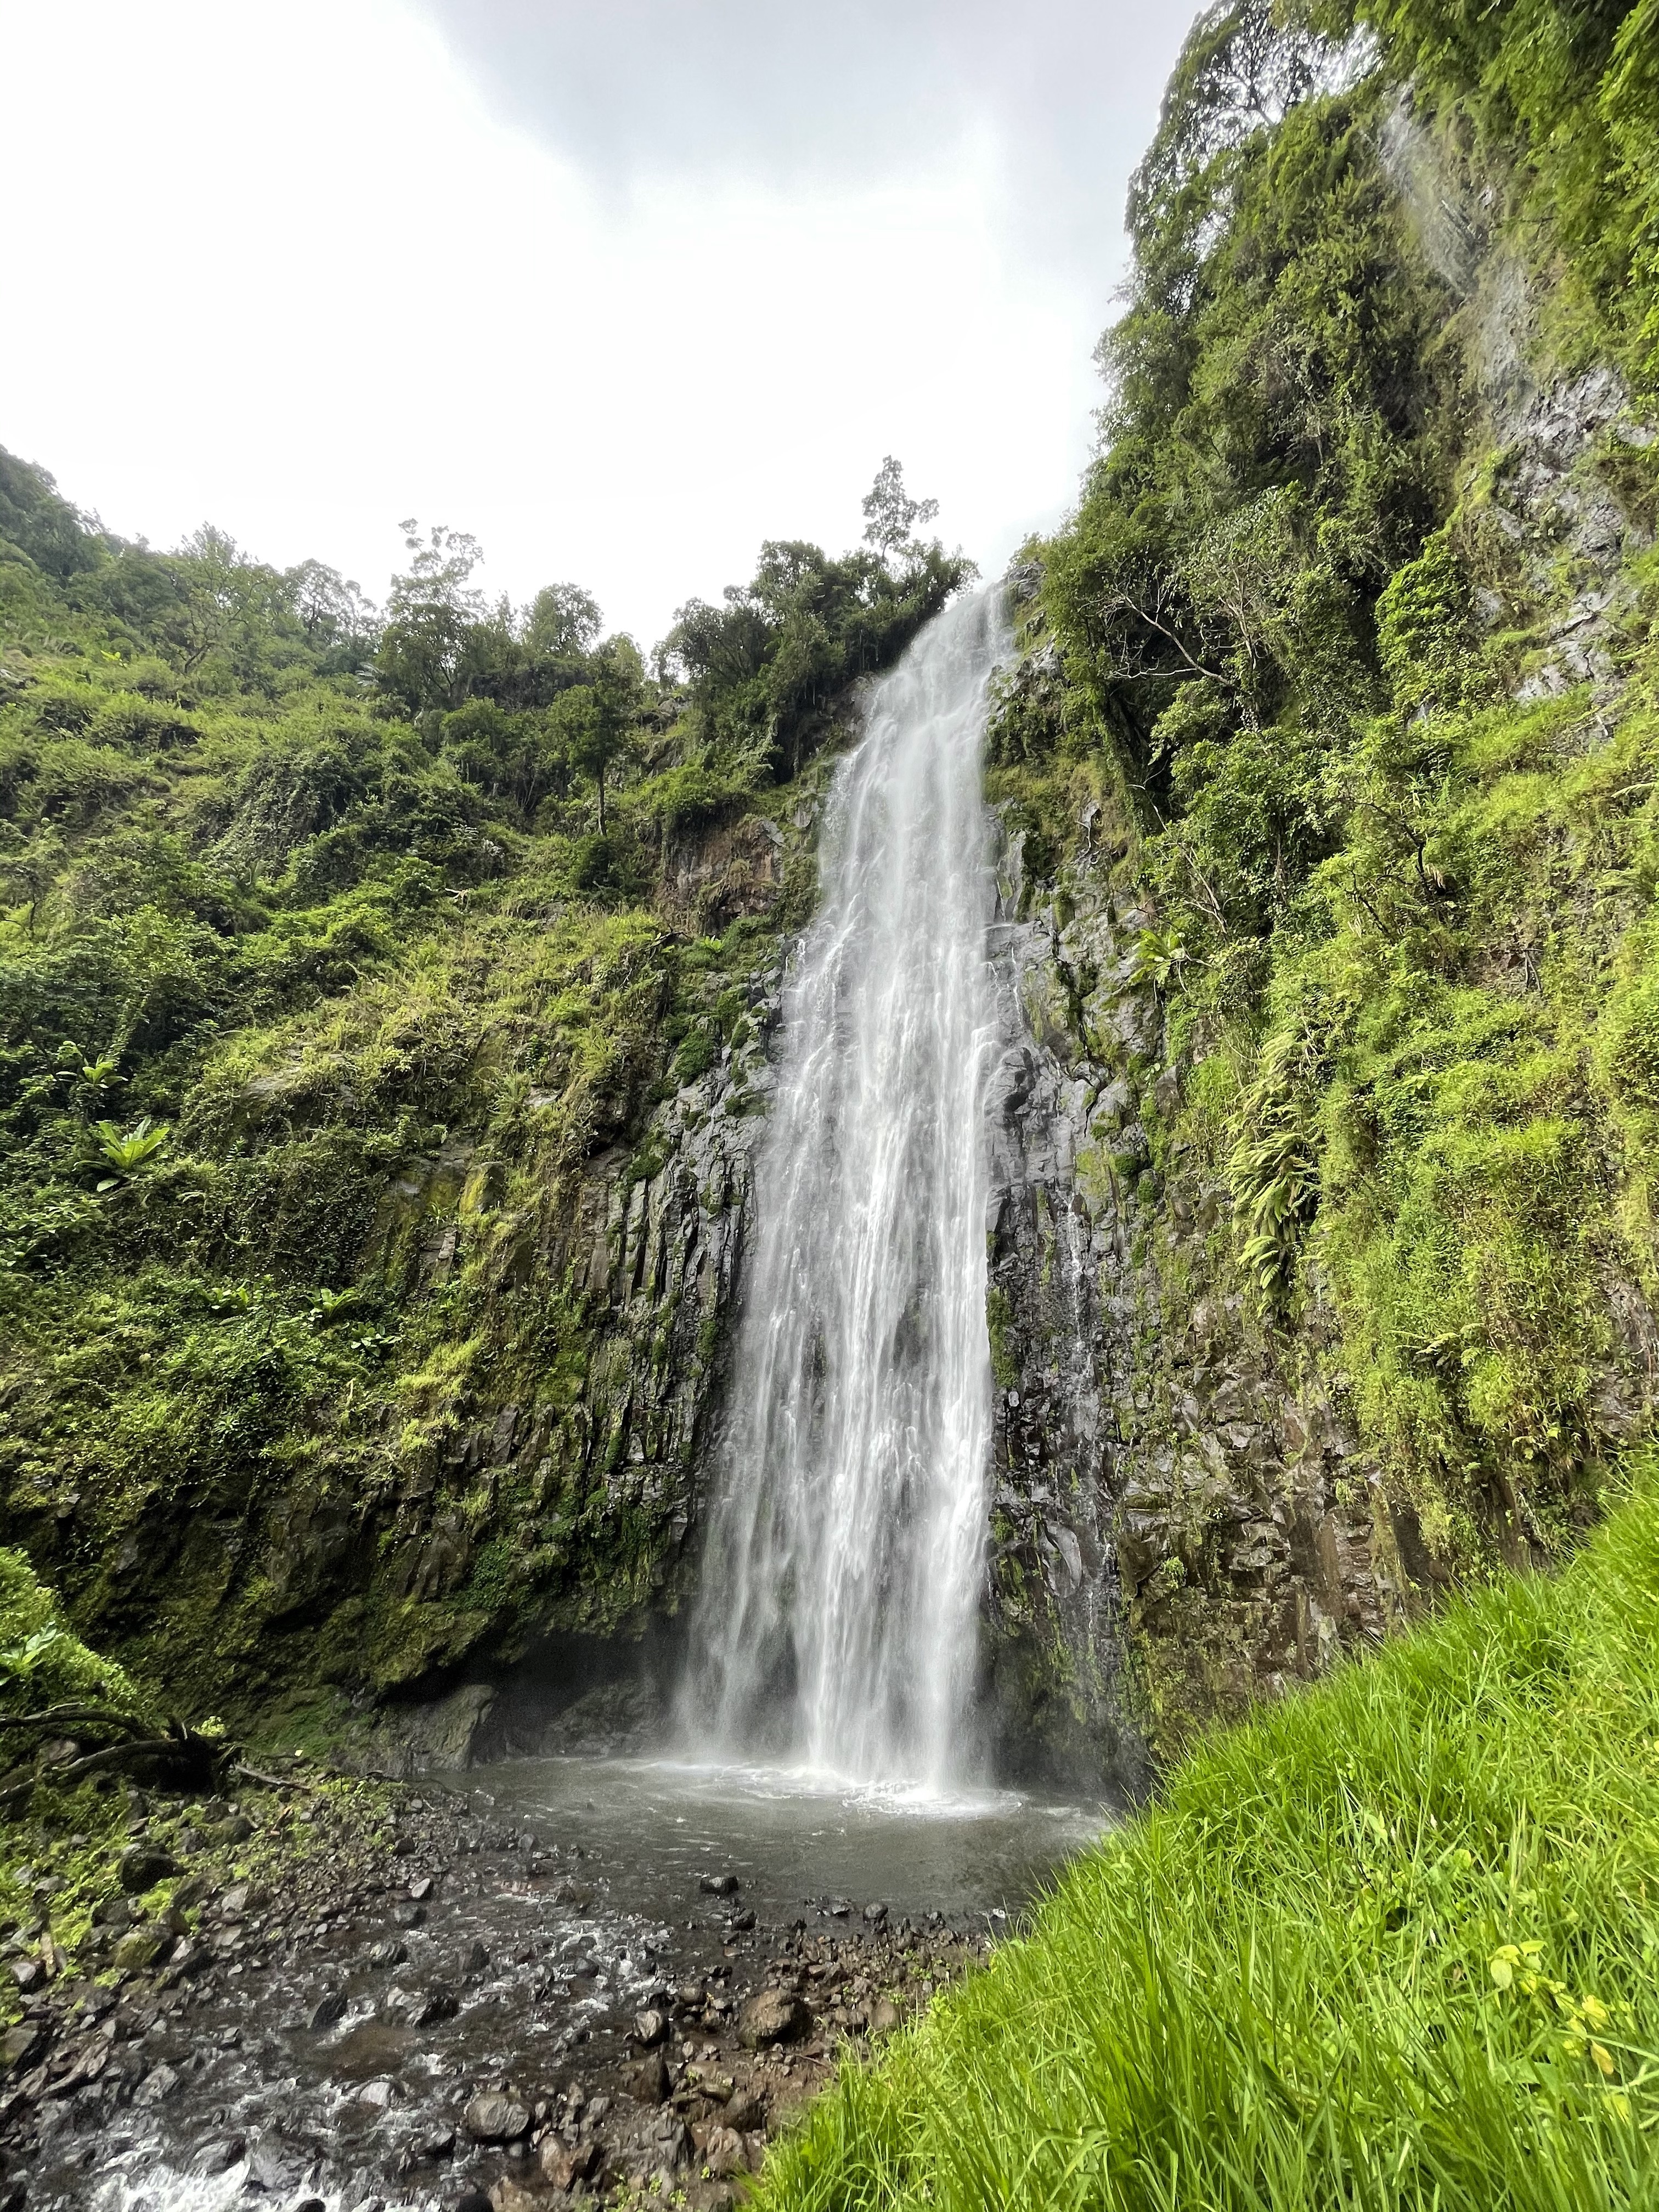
841	1585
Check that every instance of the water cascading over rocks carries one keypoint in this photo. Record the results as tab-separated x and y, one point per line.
845	1559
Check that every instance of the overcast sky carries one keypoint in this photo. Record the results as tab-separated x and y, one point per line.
621	286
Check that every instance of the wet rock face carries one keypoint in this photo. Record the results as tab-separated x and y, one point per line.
610	1484
1182	1520
1167	1534
1058	1222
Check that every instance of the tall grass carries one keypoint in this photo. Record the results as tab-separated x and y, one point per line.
1394	1943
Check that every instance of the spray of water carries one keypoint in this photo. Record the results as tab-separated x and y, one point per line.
836	1617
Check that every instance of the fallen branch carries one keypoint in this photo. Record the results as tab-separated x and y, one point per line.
276	1781
68	1716
111	1755
333	1774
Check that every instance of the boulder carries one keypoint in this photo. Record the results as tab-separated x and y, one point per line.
725	2152
218	2155
648	2081
745	2111
495	2117
566	2163
141	1865
140	1950
773	2016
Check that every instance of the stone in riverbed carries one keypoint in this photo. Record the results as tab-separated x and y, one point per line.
495	2117
189	1957
219	2153
327	2011
745	2111
143	1865
388	1954
725	2153
565	2164
650	2028
157	2085
511	2196
21	2046
719	1884
773	2016
648	2083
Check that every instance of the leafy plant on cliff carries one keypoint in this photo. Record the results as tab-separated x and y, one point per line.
1286	627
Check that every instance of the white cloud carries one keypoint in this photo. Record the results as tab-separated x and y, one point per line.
306	269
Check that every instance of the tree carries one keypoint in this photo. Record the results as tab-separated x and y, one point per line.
333	610
595	721
431	609
562	621
438	572
890	517
229	604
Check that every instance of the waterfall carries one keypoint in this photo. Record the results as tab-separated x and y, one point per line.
837	1617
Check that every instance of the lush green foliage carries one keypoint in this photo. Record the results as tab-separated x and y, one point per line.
321	932
1564	94
1396	913
765	663
42	1664
1390	1946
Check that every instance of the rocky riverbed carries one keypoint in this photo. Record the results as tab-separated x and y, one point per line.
372	1996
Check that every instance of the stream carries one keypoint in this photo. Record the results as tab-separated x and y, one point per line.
578	1939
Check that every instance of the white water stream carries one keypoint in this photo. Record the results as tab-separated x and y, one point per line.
841	1586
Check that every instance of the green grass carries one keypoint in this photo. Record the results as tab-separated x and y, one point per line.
1394	1943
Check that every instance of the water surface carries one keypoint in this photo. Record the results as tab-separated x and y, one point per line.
797	1841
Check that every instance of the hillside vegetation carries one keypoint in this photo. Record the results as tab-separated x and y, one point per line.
1345	667
327	933
1344	673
